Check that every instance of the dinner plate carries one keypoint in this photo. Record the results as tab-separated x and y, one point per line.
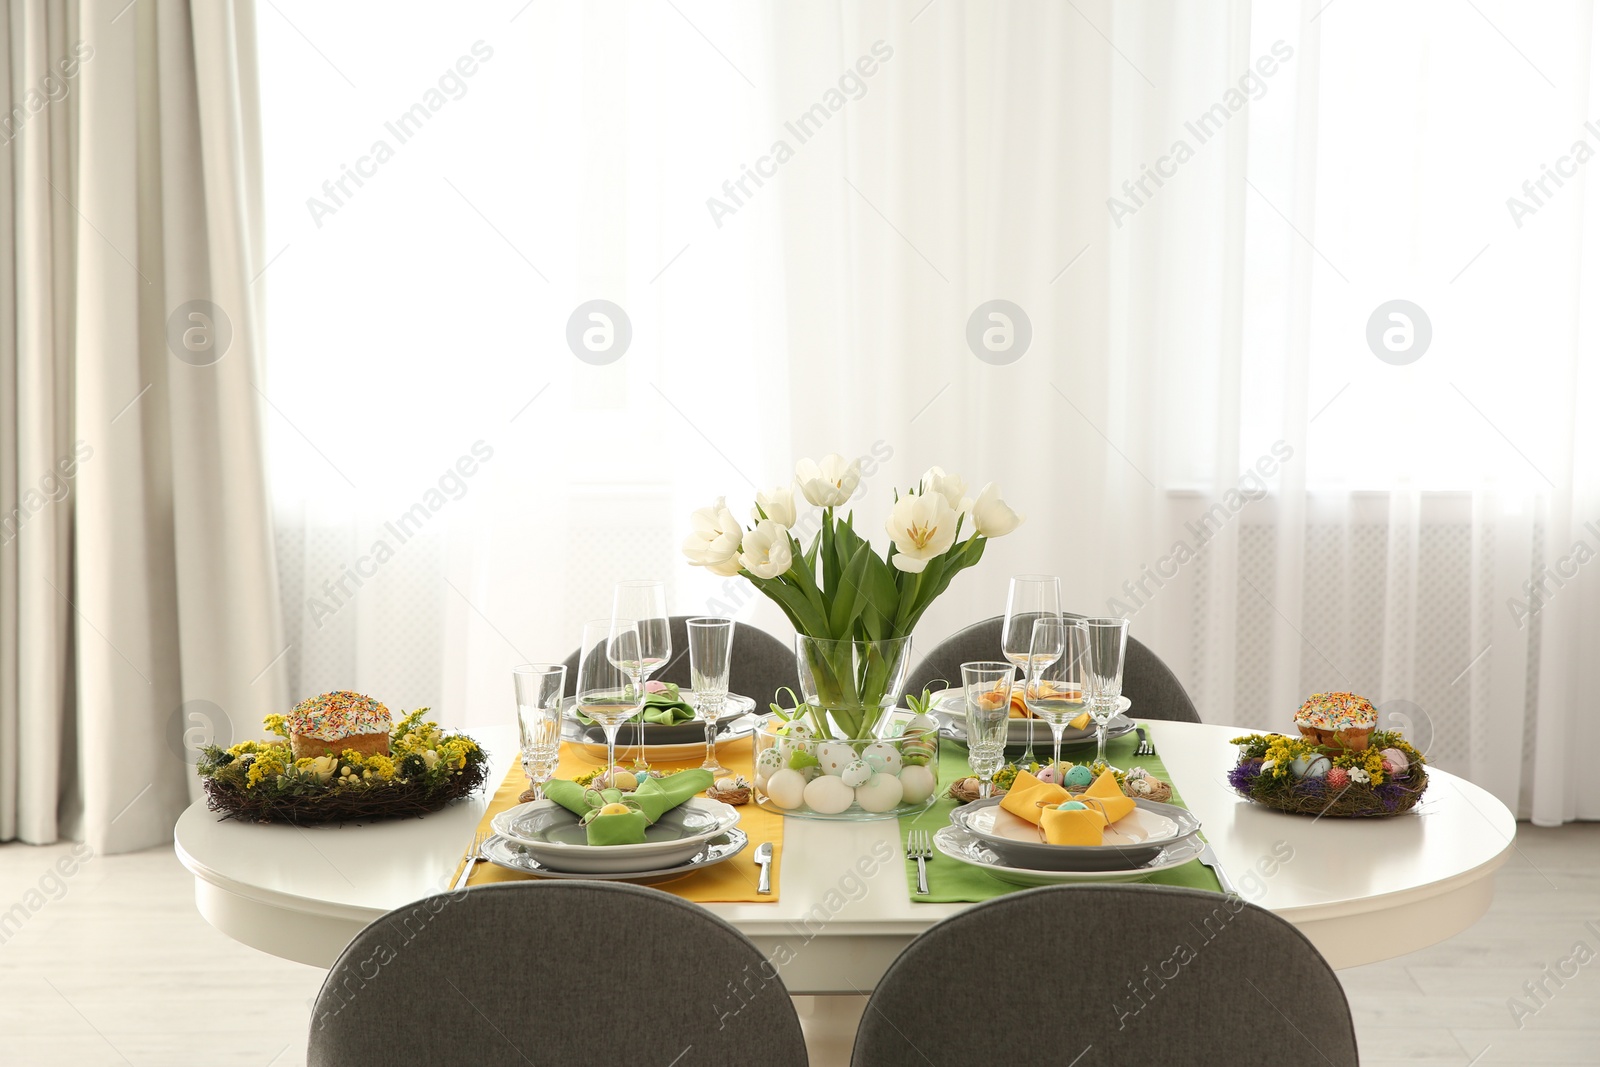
592	741
956	844
1135	839
952	720
514	856
683	733
552	835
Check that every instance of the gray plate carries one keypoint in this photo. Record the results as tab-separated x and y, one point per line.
513	856
954	727
553	835
654	733
962	847
1039	856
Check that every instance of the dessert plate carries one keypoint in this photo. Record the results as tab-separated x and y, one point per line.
1131	841
957	844
514	856
552	835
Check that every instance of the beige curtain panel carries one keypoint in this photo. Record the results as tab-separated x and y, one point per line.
138	593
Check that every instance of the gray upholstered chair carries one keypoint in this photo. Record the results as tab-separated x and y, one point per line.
552	973
1144	974
1147	681
760	666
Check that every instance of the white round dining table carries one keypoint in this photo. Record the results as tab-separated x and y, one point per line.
843	912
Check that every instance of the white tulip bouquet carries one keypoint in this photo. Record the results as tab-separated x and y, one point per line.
838	588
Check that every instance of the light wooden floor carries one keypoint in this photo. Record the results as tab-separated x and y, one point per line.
116	967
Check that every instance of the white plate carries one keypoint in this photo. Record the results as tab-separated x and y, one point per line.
513	856
954	843
551	835
575	733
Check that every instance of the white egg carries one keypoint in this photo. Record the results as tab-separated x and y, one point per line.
882	792
787	788
828	795
885	752
834	756
856	773
918	784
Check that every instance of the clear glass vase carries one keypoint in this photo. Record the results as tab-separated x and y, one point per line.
855	683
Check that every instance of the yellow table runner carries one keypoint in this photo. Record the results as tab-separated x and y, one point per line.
734	880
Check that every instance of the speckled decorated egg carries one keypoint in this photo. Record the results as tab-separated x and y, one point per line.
917	783
1395	762
883	756
767	764
882	792
1139	787
828	795
1359	776
1077	776
797	739
834	756
786	788
1050	774
855	773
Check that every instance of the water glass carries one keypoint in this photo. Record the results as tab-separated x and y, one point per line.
1102	676
710	651
1054	690
539	688
987	688
608	690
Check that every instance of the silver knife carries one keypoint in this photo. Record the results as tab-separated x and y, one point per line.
764	861
1208	857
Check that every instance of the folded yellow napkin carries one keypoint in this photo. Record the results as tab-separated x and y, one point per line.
1028	796
1104	793
1080	826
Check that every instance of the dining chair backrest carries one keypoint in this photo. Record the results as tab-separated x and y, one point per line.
552	973
759	665
1134	974
1149	683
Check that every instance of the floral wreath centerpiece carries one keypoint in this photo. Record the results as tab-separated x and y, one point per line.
337	759
840	753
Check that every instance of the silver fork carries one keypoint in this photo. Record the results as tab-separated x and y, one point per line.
1145	747
919	847
470	860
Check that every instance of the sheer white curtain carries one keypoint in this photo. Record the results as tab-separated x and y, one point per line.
1200	211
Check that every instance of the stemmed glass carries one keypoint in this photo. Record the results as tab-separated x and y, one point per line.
987	688
607	689
539	687
710	649
1031	597
1102	676
645	602
1054	687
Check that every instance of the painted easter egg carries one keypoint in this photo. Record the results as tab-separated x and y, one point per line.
1077	776
855	773
886	752
834	756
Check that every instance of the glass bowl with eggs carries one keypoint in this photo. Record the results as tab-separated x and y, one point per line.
801	774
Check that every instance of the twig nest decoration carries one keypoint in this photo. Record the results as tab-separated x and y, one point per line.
1302	777
734	791
1136	782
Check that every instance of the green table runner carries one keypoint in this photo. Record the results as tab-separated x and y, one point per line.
953	882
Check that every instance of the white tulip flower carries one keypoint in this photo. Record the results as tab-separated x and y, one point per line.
829	483
713	541
991	516
950	486
923	525
766	551
778	504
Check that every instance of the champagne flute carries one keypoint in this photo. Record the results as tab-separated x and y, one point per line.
1054	687
987	688
710	649
645	602
607	688
539	687
1030	598
1106	651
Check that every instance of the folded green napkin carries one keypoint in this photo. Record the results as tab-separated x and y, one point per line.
663	707
653	799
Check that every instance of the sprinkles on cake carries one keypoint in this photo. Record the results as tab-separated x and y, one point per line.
1336	711
335	716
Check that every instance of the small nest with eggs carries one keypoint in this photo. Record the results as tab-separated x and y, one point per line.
965	790
734	791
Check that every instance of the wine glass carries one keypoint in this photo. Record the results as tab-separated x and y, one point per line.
607	689
645	602
539	687
1102	677
710	649
1054	687
1030	598
987	688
